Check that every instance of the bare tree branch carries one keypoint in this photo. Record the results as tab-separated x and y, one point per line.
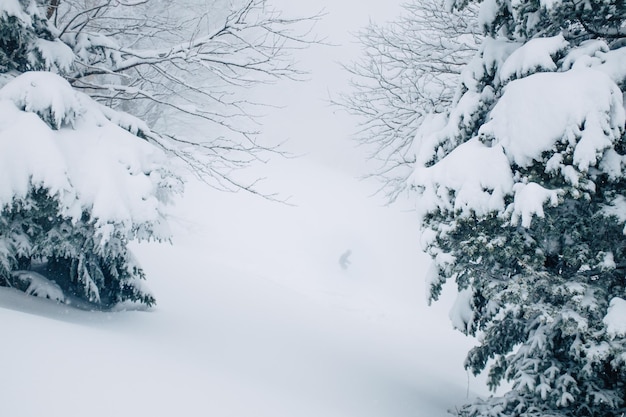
408	69
187	69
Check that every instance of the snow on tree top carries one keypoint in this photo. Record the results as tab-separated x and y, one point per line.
472	178
576	107
536	54
47	95
58	139
488	12
579	110
57	56
14	8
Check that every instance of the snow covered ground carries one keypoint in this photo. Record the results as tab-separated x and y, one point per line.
256	316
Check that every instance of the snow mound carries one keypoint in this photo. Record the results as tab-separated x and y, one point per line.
473	178
50	97
587	54
576	108
535	55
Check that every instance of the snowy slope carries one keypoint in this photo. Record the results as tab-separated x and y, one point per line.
249	323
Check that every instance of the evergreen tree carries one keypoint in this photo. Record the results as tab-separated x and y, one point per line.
79	180
522	199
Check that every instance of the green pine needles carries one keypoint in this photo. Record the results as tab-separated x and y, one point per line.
36	237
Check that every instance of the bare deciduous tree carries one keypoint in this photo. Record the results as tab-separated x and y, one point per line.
185	67
409	68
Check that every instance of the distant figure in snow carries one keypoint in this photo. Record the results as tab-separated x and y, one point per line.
344	259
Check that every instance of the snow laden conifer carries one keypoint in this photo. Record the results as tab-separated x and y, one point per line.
522	199
78	180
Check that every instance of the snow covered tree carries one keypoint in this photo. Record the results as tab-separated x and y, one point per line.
521	192
79	180
409	68
78	184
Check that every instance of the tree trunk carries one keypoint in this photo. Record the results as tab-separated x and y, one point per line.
52	8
